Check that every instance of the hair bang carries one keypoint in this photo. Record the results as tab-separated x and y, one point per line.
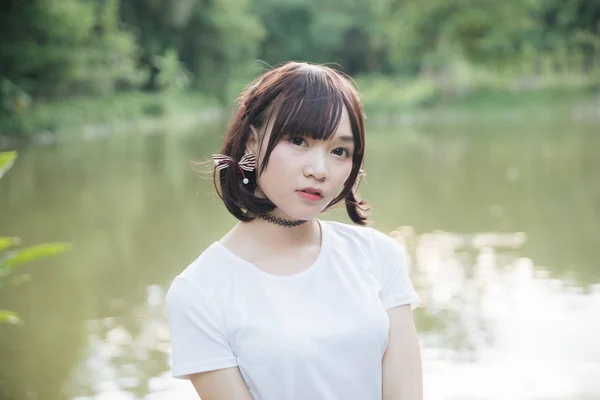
314	112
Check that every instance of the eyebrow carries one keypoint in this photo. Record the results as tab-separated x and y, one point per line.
345	138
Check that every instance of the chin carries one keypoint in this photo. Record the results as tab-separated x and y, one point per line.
300	210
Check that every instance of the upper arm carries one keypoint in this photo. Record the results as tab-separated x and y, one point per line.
393	265
221	384
402	371
199	339
401	364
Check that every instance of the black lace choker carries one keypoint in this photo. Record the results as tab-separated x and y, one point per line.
280	221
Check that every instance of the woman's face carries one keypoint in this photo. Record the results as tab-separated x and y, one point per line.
304	175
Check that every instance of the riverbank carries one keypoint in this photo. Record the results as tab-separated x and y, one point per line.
496	108
481	100
96	116
385	100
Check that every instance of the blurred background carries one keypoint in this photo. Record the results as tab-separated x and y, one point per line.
483	156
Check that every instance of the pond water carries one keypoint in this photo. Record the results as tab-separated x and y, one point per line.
502	222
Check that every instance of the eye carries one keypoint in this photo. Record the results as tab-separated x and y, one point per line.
342	152
298	141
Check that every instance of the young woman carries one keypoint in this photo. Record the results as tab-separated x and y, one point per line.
287	306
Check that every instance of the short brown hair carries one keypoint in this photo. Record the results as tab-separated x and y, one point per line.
304	100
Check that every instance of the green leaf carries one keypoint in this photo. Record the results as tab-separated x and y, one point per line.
9	317
7	159
13	258
8	241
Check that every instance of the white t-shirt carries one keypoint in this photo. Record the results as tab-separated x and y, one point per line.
319	334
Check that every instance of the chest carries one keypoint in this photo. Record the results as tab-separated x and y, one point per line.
327	316
287	263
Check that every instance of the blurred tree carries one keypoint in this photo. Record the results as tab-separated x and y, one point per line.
339	31
213	38
56	48
220	43
428	36
51	49
158	26
571	24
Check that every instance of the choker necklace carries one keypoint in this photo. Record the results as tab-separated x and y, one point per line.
280	221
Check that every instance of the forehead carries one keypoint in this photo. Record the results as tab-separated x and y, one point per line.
344	127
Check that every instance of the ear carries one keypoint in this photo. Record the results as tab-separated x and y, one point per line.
252	142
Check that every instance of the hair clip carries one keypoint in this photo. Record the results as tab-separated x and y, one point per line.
247	163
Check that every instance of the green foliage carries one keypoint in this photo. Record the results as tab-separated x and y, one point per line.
10	259
430	36
58	50
343	32
381	94
9	317
211	41
221	43
7	159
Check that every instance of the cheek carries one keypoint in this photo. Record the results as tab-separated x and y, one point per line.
343	173
279	162
280	158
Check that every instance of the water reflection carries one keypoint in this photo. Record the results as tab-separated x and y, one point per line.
510	313
495	326
125	357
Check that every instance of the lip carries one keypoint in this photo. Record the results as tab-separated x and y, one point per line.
311	194
312	190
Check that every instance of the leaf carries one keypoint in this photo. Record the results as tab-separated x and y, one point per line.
9	317
8	241
7	159
17	257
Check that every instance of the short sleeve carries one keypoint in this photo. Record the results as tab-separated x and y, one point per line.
198	338
393	264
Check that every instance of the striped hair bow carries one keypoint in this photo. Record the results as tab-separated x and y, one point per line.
247	163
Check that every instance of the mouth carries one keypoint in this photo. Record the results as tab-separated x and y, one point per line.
311	193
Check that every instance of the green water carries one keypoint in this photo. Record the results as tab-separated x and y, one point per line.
503	223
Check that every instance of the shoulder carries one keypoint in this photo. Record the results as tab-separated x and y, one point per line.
371	248
345	232
386	246
364	237
200	279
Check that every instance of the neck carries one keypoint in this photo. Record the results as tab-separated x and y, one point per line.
288	223
263	232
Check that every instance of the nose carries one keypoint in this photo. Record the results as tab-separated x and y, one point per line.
316	165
